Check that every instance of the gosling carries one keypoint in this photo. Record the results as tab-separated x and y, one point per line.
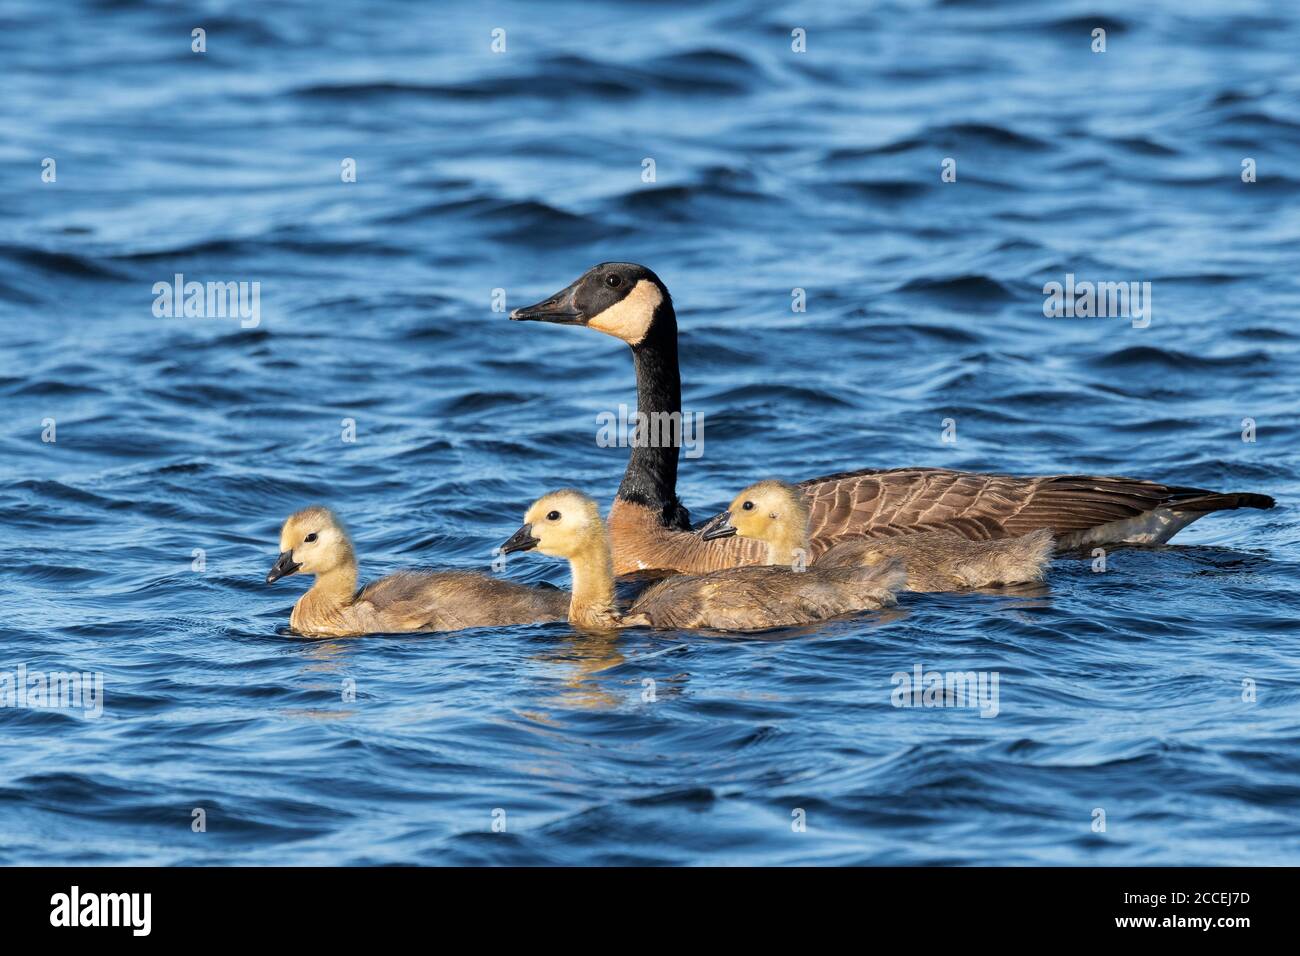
775	513
313	541
567	524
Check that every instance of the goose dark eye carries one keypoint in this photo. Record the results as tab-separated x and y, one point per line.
748	506
613	280
553	516
310	538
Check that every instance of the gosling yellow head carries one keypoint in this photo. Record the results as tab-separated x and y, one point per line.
772	512
562	524
312	541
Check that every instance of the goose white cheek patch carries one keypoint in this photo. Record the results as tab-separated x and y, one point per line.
629	319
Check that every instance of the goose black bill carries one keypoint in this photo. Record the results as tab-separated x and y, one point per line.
521	540
561	308
284	566
719	526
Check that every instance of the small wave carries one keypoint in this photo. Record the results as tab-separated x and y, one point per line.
59	263
883	190
982	134
774	394
1144	146
972	289
51	388
1083	26
1148	356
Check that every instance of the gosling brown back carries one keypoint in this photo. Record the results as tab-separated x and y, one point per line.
759	598
942	561
452	601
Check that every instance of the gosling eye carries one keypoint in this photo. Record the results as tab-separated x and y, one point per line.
310	538
553	516
613	280
748	506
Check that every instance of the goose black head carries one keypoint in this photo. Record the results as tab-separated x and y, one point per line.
621	299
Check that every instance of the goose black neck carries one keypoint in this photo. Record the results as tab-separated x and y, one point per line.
651	476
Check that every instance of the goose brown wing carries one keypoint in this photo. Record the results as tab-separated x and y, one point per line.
883	503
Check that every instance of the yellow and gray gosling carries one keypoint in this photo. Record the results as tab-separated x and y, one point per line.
776	514
313	541
567	524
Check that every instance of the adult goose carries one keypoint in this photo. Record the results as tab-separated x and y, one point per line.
651	529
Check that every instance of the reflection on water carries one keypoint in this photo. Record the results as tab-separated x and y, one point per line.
579	660
327	654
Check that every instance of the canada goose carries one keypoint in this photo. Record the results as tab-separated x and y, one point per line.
313	541
567	524
775	513
651	528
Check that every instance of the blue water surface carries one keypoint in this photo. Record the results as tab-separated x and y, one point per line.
1164	692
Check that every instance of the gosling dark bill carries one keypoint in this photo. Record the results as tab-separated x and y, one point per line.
719	526
521	540
284	566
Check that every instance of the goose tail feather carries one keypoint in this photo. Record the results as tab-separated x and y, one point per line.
1222	501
